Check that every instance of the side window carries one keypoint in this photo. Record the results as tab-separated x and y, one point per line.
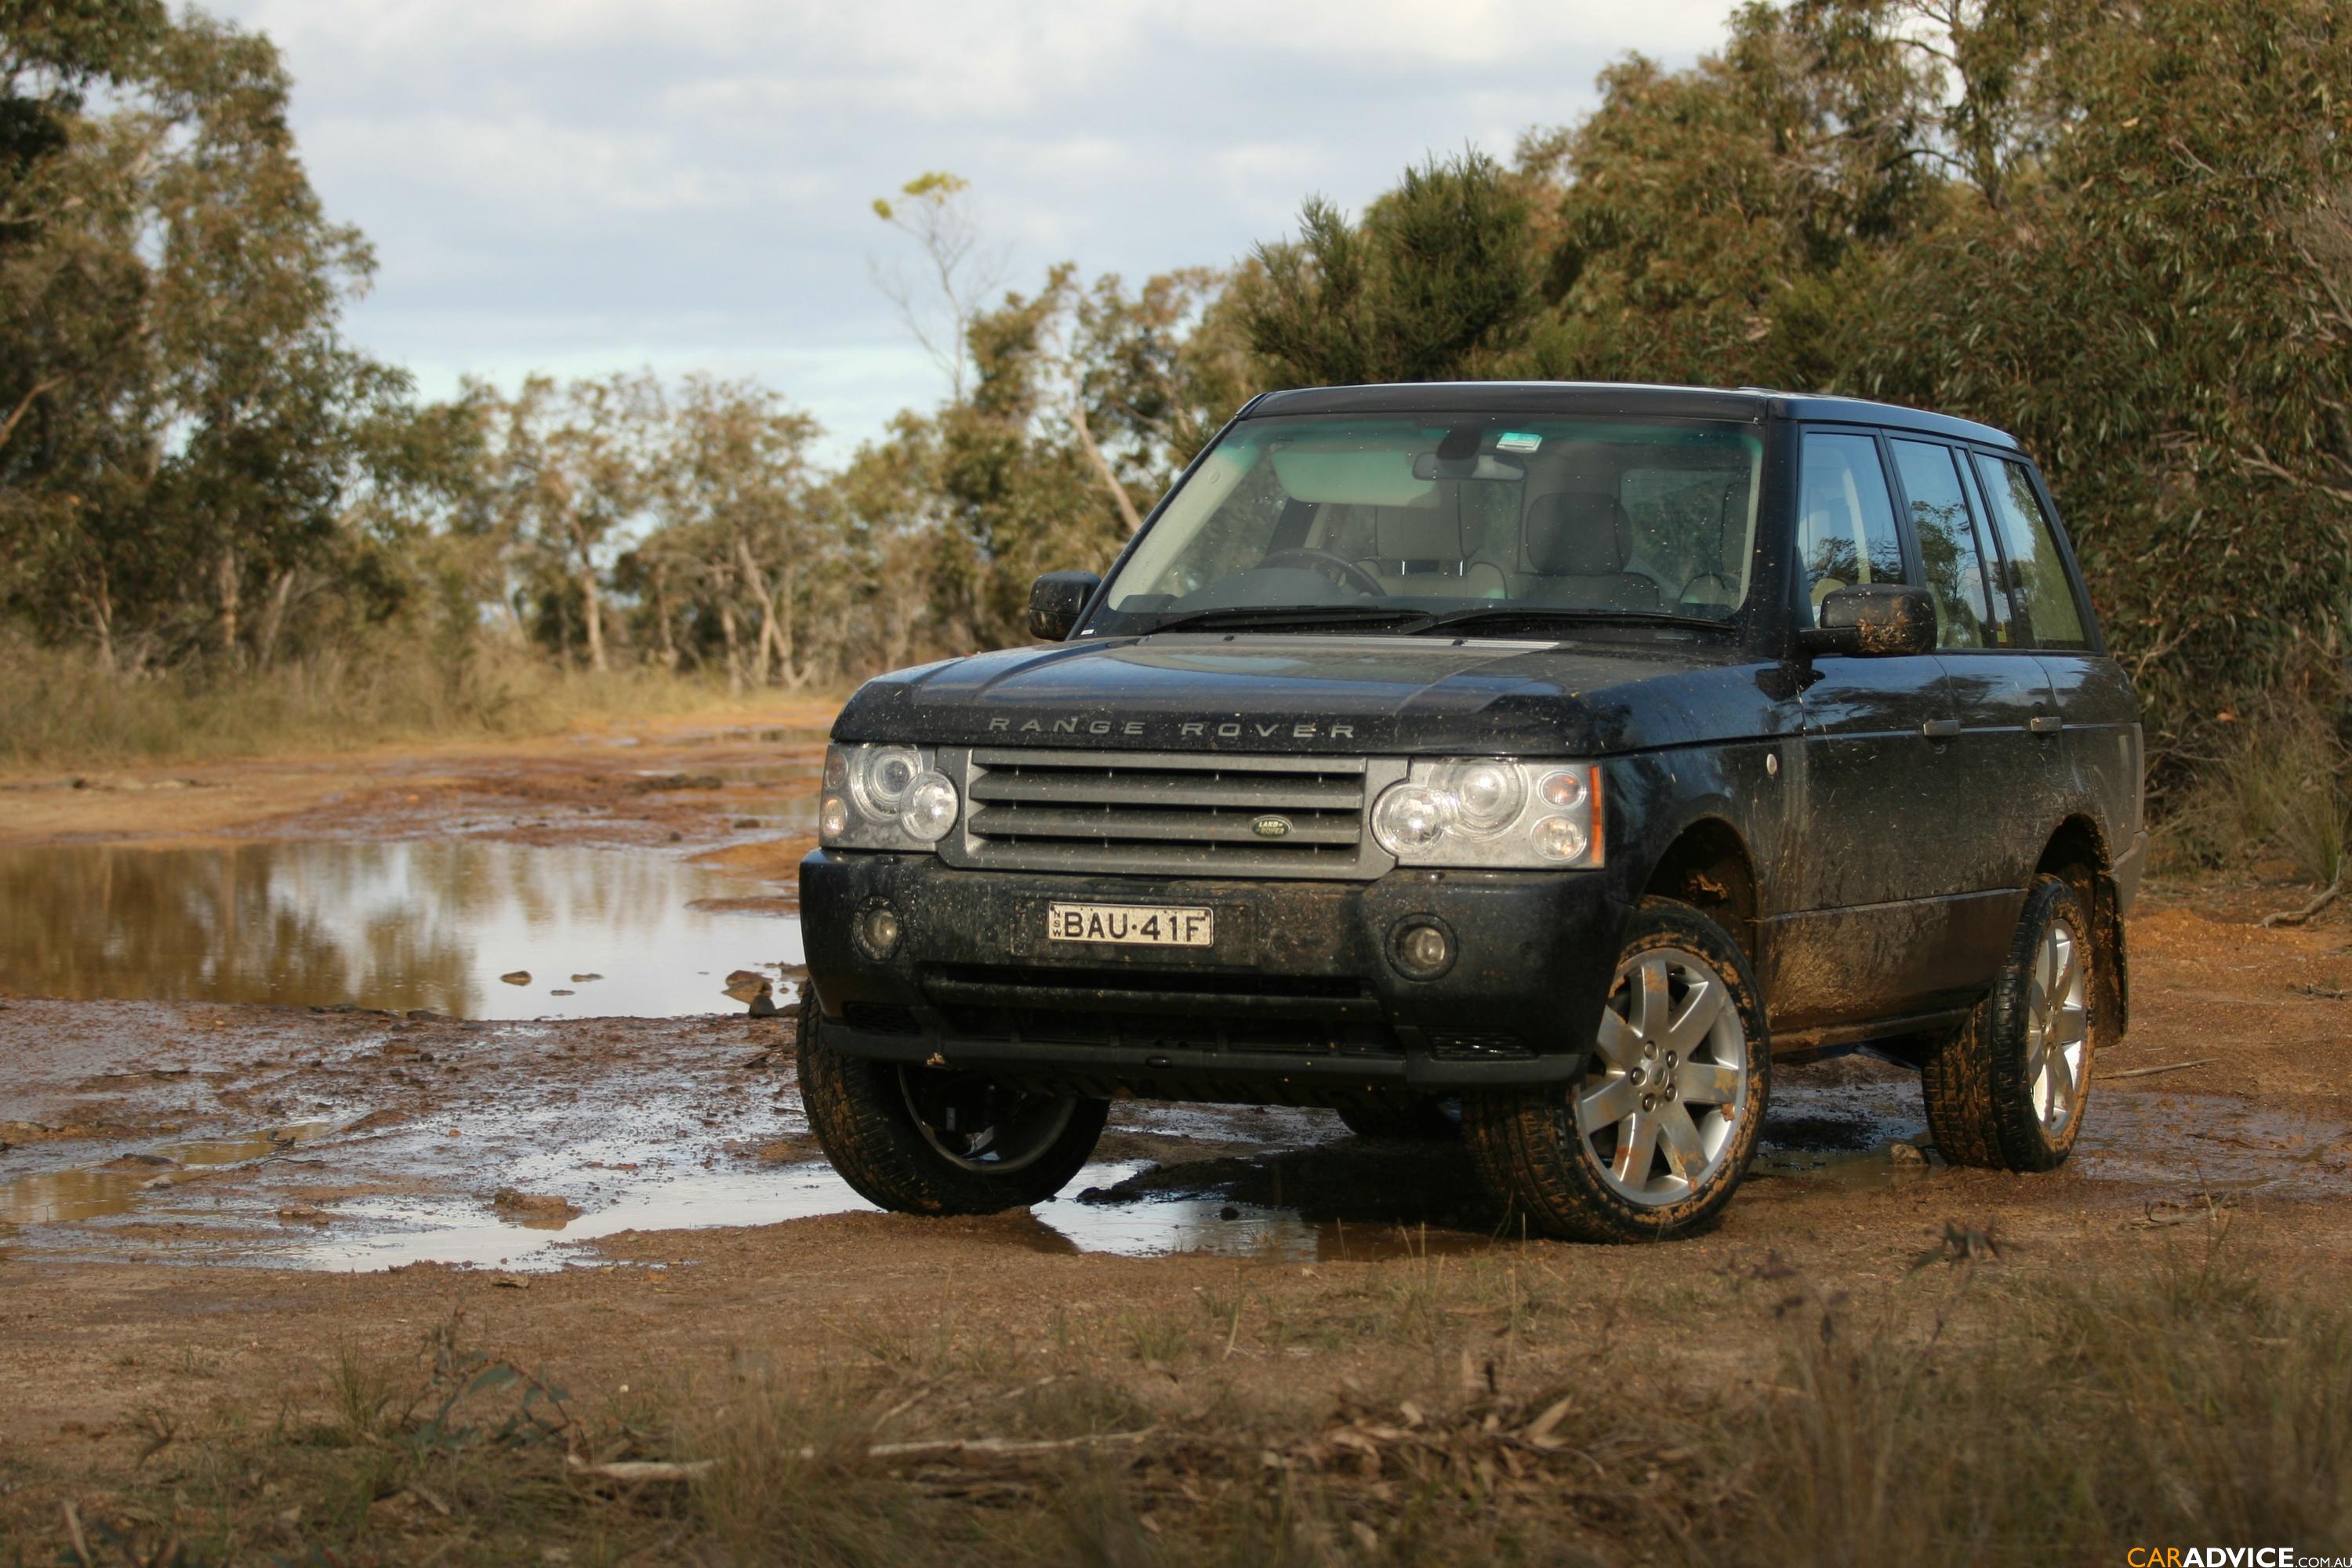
1845	521
1968	613
2037	572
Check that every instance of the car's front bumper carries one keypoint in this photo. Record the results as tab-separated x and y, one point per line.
1297	998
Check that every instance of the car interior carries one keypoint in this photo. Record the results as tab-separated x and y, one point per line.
1594	527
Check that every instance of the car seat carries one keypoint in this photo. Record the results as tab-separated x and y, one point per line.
1419	552
1574	545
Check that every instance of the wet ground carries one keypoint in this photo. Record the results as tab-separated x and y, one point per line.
332	1038
268	1101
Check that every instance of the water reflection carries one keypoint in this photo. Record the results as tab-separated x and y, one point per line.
100	1192
381	925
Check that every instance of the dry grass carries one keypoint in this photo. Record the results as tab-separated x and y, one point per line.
2281	788
60	710
1979	1415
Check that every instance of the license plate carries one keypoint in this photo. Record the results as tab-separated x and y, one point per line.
1131	925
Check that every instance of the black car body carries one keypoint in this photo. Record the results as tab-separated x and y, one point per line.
1863	807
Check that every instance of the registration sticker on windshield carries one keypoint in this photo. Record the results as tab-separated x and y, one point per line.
1516	441
1132	925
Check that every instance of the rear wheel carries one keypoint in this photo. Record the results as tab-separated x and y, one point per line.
2006	1089
921	1140
1654	1134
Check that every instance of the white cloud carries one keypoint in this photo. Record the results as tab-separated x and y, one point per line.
587	183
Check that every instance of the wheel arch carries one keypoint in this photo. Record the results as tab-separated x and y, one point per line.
2079	845
1708	865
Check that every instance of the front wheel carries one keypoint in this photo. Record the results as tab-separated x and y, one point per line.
921	1140
1655	1133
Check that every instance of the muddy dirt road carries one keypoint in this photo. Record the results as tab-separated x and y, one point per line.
272	1093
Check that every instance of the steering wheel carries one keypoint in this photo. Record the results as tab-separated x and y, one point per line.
1339	566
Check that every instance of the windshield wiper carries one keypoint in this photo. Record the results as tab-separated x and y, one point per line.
1259	617
1492	614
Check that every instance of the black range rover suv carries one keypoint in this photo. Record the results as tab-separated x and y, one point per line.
1567	752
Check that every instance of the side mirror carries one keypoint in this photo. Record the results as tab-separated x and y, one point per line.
1056	600
1873	619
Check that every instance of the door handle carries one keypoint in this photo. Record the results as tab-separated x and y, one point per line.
2046	725
1940	729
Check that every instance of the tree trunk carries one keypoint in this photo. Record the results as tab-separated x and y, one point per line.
592	612
756	580
668	642
101	618
787	658
1126	503
509	613
734	644
226	581
273	618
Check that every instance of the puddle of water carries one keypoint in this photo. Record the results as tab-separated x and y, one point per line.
399	926
102	1191
404	1233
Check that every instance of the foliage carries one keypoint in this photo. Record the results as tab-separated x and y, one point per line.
2117	228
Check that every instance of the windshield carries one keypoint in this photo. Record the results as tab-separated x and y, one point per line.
1415	517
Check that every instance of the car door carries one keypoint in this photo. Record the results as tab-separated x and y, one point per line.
2094	738
1999	762
1854	944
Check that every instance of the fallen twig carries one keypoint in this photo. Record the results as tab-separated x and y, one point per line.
2168	1067
73	1532
2327	896
991	1447
639	1470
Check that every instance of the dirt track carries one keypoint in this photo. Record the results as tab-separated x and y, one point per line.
211	1197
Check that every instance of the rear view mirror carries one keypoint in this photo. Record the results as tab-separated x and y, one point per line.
1873	619
1056	600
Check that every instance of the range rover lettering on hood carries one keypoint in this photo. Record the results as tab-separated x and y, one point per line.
1182	729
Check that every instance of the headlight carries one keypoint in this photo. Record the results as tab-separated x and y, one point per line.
1492	811
885	797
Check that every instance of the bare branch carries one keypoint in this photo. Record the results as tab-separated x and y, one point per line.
25	405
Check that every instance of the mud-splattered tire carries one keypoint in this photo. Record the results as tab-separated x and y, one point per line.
1654	1134
865	1115
1424	1118
2006	1089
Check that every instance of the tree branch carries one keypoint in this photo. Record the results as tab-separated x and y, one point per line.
24	405
1125	502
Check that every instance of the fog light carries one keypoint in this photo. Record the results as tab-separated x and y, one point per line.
1423	948
877	931
833	821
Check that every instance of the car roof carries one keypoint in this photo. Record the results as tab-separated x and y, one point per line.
1613	397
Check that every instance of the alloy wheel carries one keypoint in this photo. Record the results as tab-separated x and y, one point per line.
2057	1027
1668	1083
981	1125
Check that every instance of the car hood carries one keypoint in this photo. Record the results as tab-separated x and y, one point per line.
1351	693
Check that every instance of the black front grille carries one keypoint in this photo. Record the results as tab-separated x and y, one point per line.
1154	1009
1201	815
1169	1031
1469	1046
1189	982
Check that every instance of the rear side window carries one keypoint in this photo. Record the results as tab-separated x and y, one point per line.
1968	613
1845	520
2037	572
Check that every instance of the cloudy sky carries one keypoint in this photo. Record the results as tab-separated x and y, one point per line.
582	186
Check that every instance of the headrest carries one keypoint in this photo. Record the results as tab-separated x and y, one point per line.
1418	533
1578	533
